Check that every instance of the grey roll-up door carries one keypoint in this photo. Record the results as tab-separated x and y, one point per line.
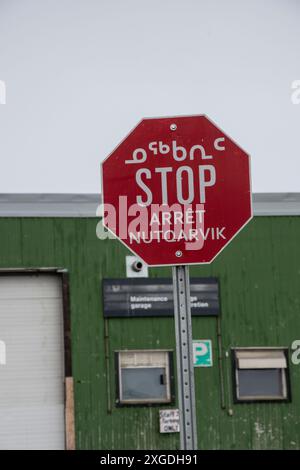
32	378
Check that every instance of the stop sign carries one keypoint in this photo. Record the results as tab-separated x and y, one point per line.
176	190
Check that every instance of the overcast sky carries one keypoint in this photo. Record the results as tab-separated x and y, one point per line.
79	74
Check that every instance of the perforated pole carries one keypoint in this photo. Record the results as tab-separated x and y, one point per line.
184	353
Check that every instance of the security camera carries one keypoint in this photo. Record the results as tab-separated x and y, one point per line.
137	266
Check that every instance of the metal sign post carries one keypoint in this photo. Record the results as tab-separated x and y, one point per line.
184	353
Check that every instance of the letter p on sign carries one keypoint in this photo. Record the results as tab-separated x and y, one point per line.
202	352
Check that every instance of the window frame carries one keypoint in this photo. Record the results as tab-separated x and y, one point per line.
285	377
169	374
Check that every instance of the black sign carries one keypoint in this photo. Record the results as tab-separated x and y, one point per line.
140	297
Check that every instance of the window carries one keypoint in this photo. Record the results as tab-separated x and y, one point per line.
144	377
261	374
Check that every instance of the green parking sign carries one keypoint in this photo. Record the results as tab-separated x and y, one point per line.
202	353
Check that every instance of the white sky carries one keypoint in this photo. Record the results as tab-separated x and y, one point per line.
80	74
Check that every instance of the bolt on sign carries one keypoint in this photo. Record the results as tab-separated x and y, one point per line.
176	190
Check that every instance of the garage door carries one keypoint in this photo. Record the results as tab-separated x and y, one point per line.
32	362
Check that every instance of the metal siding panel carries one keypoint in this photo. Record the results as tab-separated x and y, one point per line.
259	275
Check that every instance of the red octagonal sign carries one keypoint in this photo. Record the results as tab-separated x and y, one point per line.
176	190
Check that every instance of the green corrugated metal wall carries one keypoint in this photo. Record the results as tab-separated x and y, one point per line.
259	275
